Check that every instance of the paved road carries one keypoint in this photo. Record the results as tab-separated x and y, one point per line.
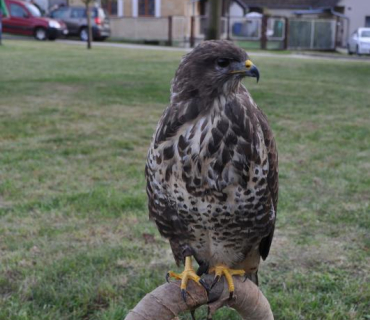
305	55
325	56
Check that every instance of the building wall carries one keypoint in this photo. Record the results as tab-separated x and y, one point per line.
75	3
127	8
356	11
164	8
139	28
236	10
279	12
174	8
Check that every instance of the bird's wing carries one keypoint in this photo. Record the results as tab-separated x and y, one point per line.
159	168
272	179
164	214
174	117
257	114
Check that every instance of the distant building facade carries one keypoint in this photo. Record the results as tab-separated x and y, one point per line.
350	14
358	13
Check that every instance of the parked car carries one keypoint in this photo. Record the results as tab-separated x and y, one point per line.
25	19
359	42
76	20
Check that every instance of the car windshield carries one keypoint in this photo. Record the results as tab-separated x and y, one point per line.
365	34
35	12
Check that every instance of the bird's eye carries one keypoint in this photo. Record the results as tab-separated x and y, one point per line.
223	63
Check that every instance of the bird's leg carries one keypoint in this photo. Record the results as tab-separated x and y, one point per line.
188	273
221	270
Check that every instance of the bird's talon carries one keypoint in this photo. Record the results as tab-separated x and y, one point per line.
231	295
215	280
228	274
168	277
204	285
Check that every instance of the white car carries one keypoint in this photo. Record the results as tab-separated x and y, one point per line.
359	42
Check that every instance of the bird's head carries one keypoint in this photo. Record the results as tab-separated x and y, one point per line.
212	68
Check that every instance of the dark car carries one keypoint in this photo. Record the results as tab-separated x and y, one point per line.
76	20
25	19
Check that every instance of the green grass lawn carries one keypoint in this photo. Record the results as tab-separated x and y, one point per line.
75	240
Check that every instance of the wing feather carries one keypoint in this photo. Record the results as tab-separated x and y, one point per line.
272	179
255	114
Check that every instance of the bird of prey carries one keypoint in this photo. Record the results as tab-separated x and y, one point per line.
212	168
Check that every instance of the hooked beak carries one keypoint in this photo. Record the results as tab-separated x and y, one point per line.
247	69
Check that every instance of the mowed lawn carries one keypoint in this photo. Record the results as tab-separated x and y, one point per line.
75	239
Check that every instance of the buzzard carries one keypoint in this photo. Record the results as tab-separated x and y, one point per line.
212	168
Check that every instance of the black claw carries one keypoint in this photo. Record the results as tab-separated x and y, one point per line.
183	294
167	277
245	277
231	295
192	313
215	280
204	285
209	316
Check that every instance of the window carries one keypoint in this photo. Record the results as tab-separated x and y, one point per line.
35	12
78	13
17	11
111	6
365	34
60	13
146	8
367	22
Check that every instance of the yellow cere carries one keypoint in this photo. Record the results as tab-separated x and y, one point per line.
248	64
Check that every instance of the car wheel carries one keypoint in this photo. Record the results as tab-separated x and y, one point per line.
40	34
84	35
358	51
349	50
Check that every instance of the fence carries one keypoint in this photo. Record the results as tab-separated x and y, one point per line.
265	32
312	34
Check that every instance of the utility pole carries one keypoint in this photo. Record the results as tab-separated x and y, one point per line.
214	18
88	16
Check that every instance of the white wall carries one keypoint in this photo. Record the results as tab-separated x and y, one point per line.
236	10
356	10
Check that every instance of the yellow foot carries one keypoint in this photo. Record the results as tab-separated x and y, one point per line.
228	273
187	274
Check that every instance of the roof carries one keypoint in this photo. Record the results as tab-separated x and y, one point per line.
291	4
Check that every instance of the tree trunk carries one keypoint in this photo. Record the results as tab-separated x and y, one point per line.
89	30
165	302
214	24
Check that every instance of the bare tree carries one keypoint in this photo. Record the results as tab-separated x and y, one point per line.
214	24
165	302
88	16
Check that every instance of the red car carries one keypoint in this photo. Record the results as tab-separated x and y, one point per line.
25	19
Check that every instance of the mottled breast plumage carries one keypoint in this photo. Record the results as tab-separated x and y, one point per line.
212	178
